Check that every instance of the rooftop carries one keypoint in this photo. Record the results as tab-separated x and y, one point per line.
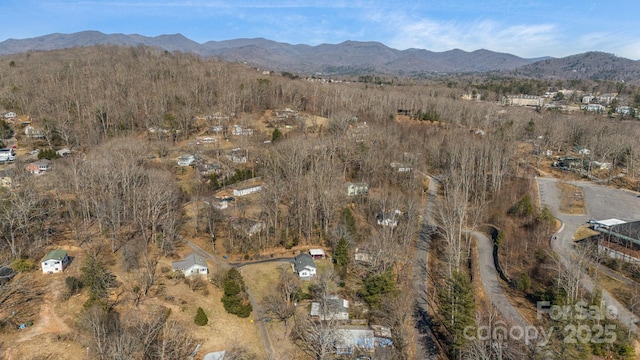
57	254
188	261
302	261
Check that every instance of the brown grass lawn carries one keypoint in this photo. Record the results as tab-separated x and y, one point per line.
261	280
525	307
223	330
571	199
584	232
620	291
55	333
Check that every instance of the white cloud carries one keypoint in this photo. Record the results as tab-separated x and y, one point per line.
522	39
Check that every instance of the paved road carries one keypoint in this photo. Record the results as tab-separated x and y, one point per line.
491	281
426	347
257	309
602	203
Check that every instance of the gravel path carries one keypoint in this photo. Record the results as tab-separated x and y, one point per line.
426	347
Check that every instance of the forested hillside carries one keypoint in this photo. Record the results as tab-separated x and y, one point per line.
291	165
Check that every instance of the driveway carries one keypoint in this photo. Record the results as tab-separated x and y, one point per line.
426	347
602	203
491	281
257	309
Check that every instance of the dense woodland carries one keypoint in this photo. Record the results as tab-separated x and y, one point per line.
121	201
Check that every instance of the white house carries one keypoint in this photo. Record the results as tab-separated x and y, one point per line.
399	167
217	128
587	99
247	190
607	98
55	261
238	155
238	130
191	265
354	189
304	266
186	160
10	115
38	167
33	133
593	107
389	219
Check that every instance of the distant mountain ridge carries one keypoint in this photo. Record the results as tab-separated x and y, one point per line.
349	57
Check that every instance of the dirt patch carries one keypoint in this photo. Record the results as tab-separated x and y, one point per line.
571	199
584	232
50	336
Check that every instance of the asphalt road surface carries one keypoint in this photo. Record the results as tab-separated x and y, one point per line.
491	281
601	203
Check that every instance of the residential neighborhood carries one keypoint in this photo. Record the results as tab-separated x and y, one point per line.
190	208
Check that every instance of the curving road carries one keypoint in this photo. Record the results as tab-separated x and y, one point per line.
602	203
491	281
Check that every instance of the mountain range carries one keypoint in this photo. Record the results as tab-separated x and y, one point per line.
351	57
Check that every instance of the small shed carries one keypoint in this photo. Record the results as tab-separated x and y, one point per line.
247	190
317	253
55	261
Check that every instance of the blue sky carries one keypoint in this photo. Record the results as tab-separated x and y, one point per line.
525	28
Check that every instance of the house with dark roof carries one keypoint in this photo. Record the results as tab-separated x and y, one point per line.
191	265
615	238
304	266
55	261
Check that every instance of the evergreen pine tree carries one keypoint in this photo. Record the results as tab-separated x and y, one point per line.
201	318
